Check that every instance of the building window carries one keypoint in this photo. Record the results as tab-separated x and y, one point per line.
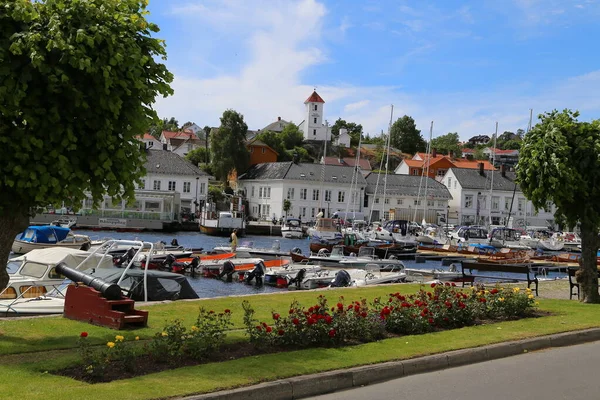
469	201
303	211
441	172
415	172
314	120
328	195
312	212
143	184
260	192
376	200
203	187
251	149
417	202
267	192
315	107
386	201
449	183
190	147
314	132
187	187
252	192
455	184
507	201
341	196
315	196
441	204
430	203
303	193
399	202
520	205
156	185
172	186
495	202
386	215
290	194
263	150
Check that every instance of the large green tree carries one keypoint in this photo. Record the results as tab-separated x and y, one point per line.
354	130
559	163
228	145
447	143
273	140
406	136
77	84
196	156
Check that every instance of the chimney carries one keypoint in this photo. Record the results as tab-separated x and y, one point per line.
434	153
278	118
503	170
481	169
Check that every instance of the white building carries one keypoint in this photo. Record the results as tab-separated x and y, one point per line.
312	126
180	143
310	188
473	202
406	197
343	138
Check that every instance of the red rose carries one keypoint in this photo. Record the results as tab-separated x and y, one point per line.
447	284
433	285
461	304
83	334
332	333
227	311
363	314
328	319
259	328
295	321
211	312
430	321
340	306
269	329
310	310
275	316
453	284
494	291
291	310
482	300
357	308
281	332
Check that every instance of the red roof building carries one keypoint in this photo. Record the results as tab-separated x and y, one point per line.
314	98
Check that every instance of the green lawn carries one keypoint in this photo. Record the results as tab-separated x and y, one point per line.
31	347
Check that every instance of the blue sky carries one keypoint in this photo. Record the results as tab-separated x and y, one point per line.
462	64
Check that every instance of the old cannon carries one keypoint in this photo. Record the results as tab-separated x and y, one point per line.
110	291
99	302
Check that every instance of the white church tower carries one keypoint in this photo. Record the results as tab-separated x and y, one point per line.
312	126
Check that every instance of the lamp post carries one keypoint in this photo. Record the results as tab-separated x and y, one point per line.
447	214
328	215
477	217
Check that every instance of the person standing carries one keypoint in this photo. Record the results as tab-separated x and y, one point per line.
233	240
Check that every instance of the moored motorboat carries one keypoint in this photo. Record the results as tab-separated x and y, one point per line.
46	236
292	228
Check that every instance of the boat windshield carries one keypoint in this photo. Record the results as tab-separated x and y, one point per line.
34	269
13	266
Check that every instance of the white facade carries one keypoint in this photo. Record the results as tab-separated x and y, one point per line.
266	197
482	207
402	168
343	138
191	189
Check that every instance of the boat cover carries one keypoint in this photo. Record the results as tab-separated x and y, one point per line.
44	234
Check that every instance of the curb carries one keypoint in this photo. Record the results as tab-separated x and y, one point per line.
332	381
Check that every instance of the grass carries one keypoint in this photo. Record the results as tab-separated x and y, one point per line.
30	347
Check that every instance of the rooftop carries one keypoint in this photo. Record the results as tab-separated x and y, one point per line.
303	172
407	185
169	163
472	179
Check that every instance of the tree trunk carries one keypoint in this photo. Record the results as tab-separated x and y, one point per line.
587	276
15	221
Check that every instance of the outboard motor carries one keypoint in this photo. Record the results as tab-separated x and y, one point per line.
297	250
297	280
227	270
342	279
257	273
193	266
174	242
125	258
167	264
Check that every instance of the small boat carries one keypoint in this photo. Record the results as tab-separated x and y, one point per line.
543	239
508	238
467	235
325	229
292	228
223	224
366	256
269	254
373	275
46	236
452	274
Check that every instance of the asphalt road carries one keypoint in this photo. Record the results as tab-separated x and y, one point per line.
569	373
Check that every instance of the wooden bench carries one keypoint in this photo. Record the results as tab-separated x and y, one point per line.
528	275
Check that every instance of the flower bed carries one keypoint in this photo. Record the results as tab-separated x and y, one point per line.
345	323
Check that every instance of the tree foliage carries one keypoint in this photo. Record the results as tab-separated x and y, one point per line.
354	130
406	136
170	124
77	80
274	141
559	163
228	145
447	143
291	136
196	156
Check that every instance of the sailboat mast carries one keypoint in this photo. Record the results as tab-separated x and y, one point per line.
387	159
426	160
376	189
354	182
492	180
427	173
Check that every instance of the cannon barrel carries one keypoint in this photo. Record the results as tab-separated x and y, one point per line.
110	291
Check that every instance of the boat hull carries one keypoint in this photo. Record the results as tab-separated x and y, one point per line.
22	247
220	231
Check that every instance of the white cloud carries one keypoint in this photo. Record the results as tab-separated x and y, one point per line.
356	106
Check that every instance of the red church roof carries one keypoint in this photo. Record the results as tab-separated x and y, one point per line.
314	98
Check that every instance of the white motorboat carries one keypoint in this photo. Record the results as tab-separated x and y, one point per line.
466	235
366	255
453	273
543	239
507	238
292	228
373	275
34	273
46	236
333	259
572	241
242	251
